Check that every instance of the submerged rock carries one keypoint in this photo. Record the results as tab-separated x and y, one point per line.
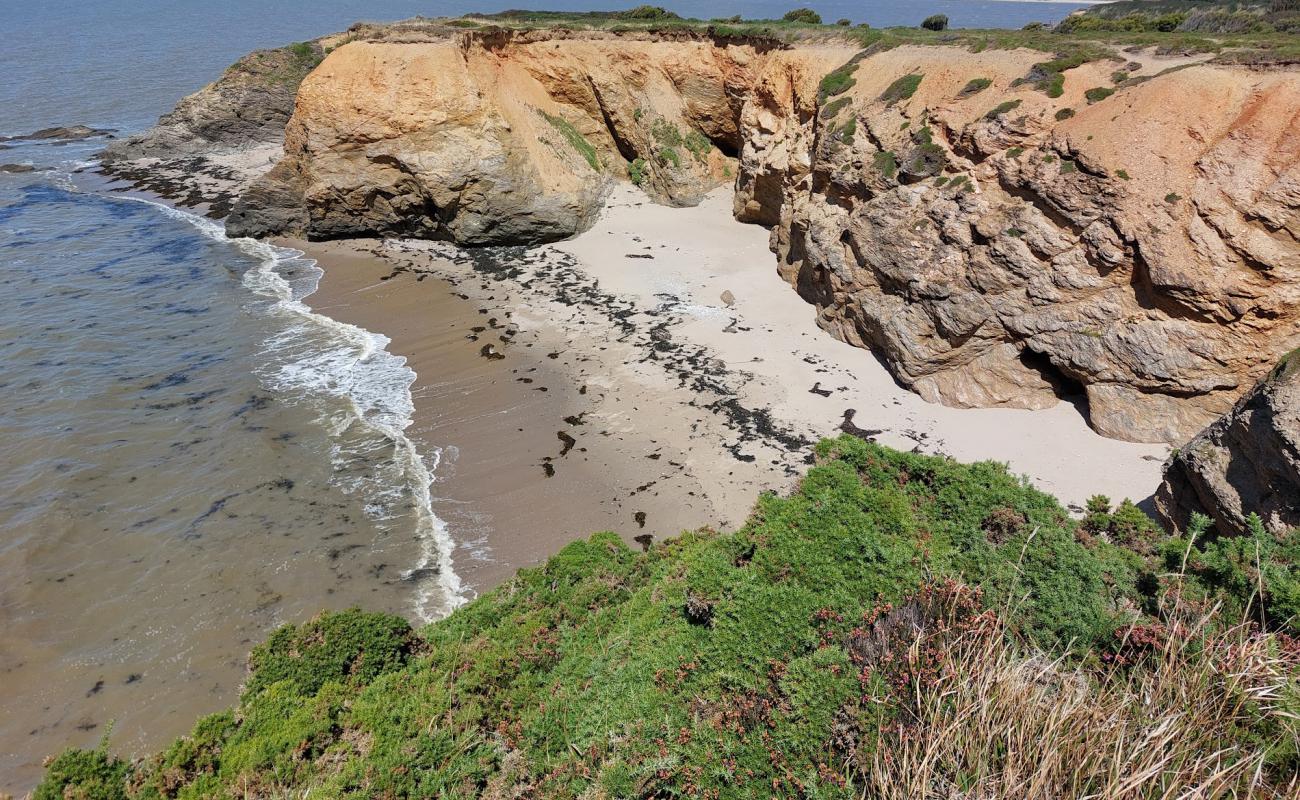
1246	462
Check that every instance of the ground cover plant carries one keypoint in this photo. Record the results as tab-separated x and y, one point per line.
892	628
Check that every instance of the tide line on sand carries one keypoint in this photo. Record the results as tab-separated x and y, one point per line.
316	355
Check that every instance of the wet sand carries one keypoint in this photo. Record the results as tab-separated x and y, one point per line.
604	383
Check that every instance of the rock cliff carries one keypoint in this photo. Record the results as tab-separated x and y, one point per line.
997	245
1247	462
1000	229
515	136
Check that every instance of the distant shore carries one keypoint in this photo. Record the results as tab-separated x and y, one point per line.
605	383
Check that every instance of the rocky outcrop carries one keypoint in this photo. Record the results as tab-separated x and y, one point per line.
1246	462
219	140
508	137
1000	246
1000	234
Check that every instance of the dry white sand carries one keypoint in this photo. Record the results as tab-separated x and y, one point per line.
702	252
602	383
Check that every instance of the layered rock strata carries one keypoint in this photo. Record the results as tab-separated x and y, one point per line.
1001	235
1247	462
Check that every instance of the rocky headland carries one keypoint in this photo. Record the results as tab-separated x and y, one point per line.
1000	228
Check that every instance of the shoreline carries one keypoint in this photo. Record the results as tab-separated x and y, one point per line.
602	383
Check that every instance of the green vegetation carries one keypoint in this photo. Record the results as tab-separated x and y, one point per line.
935	22
883	631
1098	93
651	12
1015	152
669	155
636	171
1173	198
1002	108
975	86
1119	76
902	89
837	81
846	131
1063	114
1015	233
92	774
698	145
886	162
1068	166
834	107
575	139
805	16
1122	175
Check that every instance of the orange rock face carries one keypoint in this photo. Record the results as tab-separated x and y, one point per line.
1137	244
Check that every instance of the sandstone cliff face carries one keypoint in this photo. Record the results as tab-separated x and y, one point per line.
1246	462
996	249
485	139
218	140
1136	243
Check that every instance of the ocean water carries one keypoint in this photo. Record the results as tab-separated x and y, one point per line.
190	455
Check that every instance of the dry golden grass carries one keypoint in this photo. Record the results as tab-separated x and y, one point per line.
1164	720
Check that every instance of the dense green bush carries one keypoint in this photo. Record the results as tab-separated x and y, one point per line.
902	88
84	775
805	16
650	12
764	662
935	22
346	647
1098	93
975	86
837	81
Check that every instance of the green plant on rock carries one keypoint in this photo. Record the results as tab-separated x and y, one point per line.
575	139
1002	108
668	155
697	144
1098	93
902	89
834	107
837	81
1122	174
636	171
886	162
975	86
1062	114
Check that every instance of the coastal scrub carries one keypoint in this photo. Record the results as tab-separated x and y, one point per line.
833	645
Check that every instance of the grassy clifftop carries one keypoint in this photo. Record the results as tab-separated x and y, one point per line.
899	626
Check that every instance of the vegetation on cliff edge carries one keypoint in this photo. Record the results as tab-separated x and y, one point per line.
890	629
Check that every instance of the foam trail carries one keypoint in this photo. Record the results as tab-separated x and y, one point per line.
318	355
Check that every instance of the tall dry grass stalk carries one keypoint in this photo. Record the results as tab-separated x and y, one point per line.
1171	722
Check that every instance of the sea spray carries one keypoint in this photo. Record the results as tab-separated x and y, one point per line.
313	357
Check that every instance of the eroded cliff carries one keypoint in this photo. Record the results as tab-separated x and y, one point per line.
1001	229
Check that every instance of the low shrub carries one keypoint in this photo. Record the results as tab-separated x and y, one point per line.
636	171
837	81
351	646
975	86
902	88
1002	108
935	22
1098	93
1062	114
804	16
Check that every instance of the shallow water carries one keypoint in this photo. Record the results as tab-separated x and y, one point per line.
190	455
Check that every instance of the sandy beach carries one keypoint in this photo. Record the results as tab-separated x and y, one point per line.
603	383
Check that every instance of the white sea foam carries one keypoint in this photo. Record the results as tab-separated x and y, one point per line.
315	356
